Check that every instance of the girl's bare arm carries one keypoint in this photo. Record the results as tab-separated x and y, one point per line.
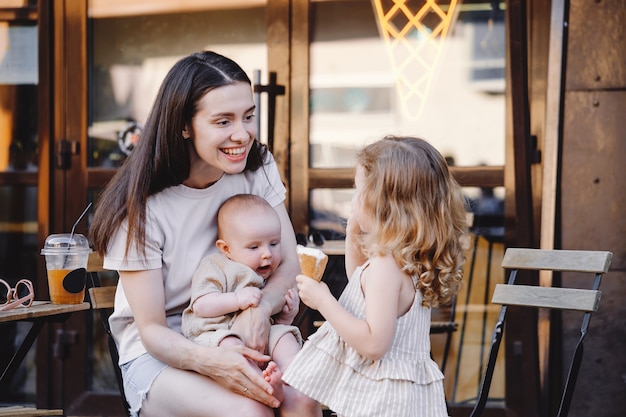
370	337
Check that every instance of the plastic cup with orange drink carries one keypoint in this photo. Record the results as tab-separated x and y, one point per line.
66	263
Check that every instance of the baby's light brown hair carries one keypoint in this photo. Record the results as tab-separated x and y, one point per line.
247	203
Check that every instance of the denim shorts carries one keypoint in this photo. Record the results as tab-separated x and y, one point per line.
138	376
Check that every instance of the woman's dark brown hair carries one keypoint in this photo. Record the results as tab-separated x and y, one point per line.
161	158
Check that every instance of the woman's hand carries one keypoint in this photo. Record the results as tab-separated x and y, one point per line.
231	367
313	293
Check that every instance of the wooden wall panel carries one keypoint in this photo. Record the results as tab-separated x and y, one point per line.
299	113
600	388
593	216
278	27
597	40
593	190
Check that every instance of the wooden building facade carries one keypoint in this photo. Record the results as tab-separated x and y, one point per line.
564	98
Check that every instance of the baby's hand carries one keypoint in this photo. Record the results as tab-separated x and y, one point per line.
248	297
290	309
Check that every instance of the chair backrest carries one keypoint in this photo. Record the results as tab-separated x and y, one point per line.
102	300
585	300
445	323
102	297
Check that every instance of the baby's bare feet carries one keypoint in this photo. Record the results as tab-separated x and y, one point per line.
273	375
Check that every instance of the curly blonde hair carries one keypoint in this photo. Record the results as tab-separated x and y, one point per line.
419	214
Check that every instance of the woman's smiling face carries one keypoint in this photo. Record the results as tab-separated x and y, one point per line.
222	132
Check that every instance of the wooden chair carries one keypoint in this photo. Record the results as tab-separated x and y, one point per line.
487	230
102	300
447	327
584	300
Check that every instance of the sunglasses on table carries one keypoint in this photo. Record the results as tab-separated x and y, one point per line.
20	295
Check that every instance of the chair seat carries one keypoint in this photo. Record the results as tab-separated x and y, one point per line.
438	327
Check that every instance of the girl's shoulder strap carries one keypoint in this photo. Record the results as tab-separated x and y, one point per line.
359	271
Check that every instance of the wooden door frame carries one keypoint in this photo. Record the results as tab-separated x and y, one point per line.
62	189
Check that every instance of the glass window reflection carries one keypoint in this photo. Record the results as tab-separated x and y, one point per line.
132	54
18	96
450	92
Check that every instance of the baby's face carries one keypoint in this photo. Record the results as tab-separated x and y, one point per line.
255	242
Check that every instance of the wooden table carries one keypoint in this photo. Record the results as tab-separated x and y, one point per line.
41	310
16	411
40	313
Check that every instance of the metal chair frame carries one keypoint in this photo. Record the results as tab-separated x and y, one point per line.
102	299
585	300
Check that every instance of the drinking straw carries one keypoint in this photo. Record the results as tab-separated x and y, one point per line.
72	232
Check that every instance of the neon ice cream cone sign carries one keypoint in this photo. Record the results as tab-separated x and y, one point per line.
414	36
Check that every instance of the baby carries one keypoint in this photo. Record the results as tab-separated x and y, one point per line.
230	281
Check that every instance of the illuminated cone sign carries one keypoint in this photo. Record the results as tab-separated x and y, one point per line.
414	33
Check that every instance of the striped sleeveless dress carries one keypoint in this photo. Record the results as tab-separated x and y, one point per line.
405	382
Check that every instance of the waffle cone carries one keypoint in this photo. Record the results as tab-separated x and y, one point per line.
312	262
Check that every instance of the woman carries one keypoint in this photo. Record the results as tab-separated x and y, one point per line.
156	220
